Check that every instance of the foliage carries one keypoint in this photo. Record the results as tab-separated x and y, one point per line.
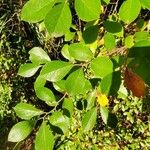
76	89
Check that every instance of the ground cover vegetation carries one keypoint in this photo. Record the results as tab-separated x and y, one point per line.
74	74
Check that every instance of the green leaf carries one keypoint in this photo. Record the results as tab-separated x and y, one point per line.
90	34
109	41
38	55
55	70
129	10
44	138
91	99
88	10
44	93
77	84
36	10
59	120
139	36
80	52
106	1
27	111
104	113
66	54
114	28
20	131
89	119
129	41
106	84
60	86
28	70
145	3
58	20
140	49
101	66
68	106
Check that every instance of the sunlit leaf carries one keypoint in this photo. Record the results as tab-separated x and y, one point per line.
20	131
44	138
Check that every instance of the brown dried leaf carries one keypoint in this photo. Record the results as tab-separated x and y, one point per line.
134	83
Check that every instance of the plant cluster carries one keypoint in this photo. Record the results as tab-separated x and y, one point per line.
100	55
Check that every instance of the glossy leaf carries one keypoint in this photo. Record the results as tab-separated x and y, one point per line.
89	119
129	10
80	52
20	131
77	84
145	3
55	70
66	54
44	93
91	99
59	120
68	106
58	20
139	36
38	55
88	10
27	111
106	83
101	66
109	41
36	10
28	70
60	86
129	41
44	138
104	113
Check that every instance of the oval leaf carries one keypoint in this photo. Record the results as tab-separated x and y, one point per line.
101	66
44	138
27	111
38	55
28	70
58	20
88	10
80	52
129	10
89	119
109	41
44	93
77	84
36	10
59	120
55	70
20	131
